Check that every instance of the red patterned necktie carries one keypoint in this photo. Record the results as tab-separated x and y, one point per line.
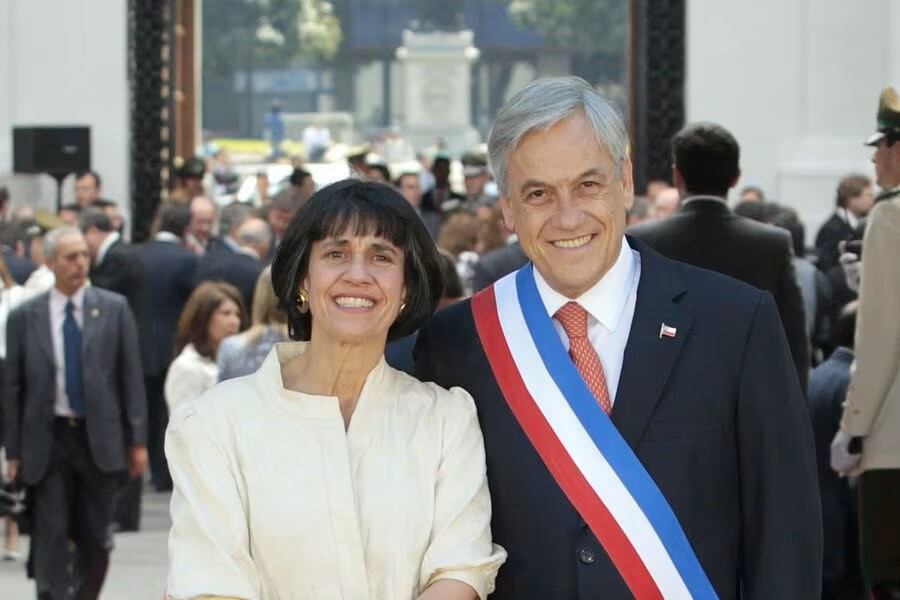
574	320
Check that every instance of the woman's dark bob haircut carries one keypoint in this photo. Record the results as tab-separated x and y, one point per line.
362	208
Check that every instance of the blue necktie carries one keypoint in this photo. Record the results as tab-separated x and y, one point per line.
72	352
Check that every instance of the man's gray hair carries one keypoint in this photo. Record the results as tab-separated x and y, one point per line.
233	216
50	243
545	102
254	231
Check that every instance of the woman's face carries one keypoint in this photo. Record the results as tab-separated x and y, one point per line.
355	287
225	321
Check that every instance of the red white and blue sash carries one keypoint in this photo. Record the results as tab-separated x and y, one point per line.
582	449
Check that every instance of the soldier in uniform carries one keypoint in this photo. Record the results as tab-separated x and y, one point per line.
868	442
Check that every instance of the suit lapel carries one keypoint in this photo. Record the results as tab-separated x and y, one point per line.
649	355
91	316
40	321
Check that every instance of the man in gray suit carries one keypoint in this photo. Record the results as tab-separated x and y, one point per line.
76	415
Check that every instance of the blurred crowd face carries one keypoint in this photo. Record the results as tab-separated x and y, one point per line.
475	185
566	203
751	196
887	165
203	216
86	190
666	203
355	287
115	217
225	321
279	219
68	216
70	263
441	171
94	239
411	189
860	205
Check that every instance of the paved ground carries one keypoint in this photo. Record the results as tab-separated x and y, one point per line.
138	570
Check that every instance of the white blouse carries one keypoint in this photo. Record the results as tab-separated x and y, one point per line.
189	375
274	499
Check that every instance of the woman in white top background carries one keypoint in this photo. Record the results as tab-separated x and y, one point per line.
327	474
213	312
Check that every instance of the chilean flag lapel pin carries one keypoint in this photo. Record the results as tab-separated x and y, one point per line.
667	331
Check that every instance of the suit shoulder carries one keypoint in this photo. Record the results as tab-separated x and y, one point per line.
452	316
33	303
111	298
724	291
888	212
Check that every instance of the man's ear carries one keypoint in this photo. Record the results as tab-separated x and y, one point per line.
506	210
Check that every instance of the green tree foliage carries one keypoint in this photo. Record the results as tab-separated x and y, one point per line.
239	34
582	27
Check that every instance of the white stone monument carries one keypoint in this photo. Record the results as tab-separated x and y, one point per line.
437	73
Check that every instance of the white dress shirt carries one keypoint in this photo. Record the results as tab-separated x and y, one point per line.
275	499
58	302
610	307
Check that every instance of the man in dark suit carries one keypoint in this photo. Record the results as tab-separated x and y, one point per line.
691	367
854	201
496	264
828	383
706	233
76	416
169	270
116	266
233	260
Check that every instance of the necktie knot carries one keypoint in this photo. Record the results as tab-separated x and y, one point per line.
574	320
70	309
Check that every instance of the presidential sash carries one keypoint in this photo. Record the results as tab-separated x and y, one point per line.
582	449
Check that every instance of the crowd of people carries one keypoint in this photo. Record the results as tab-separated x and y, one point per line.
704	377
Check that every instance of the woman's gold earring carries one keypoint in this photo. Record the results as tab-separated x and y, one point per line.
302	301
403	307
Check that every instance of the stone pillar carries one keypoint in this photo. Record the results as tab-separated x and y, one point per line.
437	89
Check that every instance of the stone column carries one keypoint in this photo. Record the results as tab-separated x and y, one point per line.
437	89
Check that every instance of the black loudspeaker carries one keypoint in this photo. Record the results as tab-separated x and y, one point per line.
54	150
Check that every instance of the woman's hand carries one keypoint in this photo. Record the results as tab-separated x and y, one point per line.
449	589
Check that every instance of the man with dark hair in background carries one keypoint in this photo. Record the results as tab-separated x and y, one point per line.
169	270
705	232
854	201
87	188
441	198
409	186
116	266
228	261
827	390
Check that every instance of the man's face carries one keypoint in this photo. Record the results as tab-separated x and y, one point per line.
666	203
887	164
860	205
566	204
86	190
68	216
94	238
411	190
70	263
115	217
203	215
279	219
441	171
475	185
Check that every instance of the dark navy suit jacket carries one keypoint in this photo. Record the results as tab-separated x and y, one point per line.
221	263
717	417
168	270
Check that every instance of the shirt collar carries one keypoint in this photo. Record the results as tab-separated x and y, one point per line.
111	239
848	217
167	236
606	300
702	197
59	299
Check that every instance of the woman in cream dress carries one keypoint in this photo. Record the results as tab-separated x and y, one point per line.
327	474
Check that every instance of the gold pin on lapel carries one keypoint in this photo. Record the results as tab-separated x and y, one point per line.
667	331
95	312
